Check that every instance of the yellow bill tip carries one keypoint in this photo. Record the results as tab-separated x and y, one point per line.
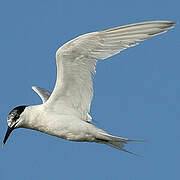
3	145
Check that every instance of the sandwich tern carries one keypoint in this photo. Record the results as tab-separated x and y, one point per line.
64	113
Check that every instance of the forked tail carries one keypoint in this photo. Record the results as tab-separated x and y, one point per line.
116	142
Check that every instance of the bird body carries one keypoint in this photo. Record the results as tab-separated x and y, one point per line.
60	124
65	112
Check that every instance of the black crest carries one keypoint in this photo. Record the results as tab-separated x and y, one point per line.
16	112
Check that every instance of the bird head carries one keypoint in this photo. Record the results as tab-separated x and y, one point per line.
13	120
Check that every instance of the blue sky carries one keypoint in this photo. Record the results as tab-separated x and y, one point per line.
137	92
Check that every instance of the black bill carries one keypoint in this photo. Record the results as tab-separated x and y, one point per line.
9	130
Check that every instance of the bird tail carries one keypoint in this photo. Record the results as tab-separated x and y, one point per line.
116	142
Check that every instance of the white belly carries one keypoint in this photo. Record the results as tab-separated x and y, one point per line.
65	126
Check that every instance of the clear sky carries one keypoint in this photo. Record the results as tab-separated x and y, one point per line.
137	92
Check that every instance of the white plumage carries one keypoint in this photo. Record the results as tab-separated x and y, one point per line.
76	60
65	112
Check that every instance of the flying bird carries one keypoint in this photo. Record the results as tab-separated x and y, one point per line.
64	113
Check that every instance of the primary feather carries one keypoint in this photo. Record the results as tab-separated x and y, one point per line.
76	60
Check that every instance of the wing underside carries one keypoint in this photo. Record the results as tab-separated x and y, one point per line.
76	61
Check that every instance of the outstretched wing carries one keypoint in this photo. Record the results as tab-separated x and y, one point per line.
43	93
76	61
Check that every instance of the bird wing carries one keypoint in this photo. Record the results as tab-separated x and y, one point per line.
76	61
43	93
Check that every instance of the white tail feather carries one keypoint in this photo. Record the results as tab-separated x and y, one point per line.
116	142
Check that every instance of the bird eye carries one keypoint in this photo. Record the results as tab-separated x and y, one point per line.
16	116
